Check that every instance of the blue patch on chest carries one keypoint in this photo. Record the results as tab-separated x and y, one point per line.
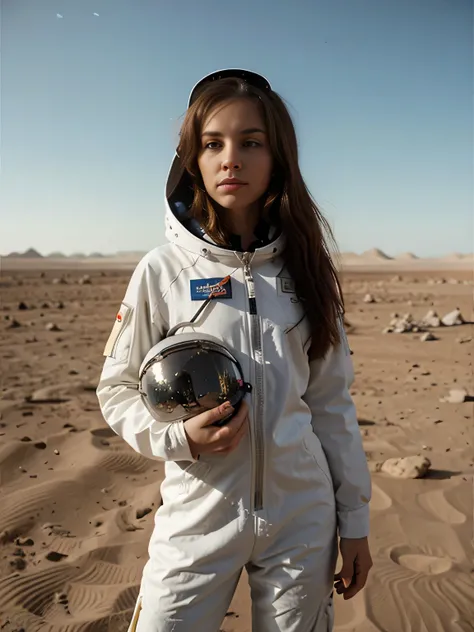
202	289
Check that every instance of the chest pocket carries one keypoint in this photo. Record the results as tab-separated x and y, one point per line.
287	313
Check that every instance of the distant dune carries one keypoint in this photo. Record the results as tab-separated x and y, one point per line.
406	256
31	253
375	253
457	256
349	255
372	258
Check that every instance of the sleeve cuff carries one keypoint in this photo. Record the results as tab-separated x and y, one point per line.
354	524
177	446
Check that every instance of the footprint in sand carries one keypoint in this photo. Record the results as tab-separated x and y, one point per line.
436	503
419	561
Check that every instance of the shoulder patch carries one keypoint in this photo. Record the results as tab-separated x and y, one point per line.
121	320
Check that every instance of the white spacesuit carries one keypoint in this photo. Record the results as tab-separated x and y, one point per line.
275	504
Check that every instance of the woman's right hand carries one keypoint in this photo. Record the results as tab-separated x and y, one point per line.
205	438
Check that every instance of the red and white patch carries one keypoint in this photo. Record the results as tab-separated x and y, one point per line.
120	322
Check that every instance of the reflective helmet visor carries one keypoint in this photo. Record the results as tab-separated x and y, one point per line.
189	378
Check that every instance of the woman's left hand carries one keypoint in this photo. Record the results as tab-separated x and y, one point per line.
356	564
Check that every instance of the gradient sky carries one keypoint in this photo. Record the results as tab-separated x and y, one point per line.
380	91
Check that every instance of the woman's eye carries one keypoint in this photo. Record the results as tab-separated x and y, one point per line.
248	143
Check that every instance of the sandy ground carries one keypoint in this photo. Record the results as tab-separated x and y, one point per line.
77	504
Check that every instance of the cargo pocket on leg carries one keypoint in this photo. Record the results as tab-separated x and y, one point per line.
135	616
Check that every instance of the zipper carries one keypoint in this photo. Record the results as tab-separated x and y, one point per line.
258	386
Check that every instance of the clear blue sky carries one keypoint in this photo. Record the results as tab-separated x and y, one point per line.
380	90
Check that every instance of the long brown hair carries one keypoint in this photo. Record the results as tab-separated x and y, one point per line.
306	254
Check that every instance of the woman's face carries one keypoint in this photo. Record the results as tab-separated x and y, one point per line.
234	146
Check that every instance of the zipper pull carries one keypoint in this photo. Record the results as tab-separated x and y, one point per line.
249	283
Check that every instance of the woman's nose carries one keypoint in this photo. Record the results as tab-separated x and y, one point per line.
232	162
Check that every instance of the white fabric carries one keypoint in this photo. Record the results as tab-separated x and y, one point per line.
315	471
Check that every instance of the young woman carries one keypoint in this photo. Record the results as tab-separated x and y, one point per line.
280	485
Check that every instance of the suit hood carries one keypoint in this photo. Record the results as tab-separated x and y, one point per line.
181	228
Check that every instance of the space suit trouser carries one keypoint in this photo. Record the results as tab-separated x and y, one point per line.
290	570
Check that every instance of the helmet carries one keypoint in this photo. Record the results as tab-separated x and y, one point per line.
253	78
186	374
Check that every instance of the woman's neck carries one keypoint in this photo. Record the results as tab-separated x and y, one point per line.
243	223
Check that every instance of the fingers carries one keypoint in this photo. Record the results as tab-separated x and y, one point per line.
226	432
350	583
217	414
226	449
362	568
344	579
356	585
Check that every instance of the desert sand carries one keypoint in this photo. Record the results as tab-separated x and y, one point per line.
77	503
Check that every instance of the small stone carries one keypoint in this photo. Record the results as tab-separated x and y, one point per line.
25	439
85	280
453	318
15	324
54	556
405	467
24	542
22	306
368	298
464	340
53	327
456	396
56	452
19	553
431	319
426	337
19	563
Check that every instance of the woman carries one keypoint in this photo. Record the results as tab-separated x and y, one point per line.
273	489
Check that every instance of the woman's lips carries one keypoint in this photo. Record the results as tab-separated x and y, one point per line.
229	188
